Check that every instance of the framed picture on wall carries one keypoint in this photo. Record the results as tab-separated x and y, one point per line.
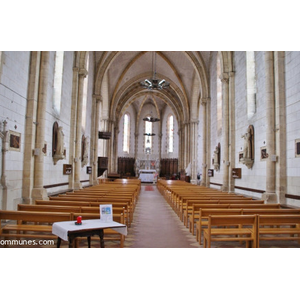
14	141
263	153
297	148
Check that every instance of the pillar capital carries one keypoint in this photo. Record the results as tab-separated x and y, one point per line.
224	77
83	72
204	101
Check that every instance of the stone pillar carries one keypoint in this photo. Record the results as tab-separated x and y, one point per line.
193	145
280	121
204	178
186	145
38	191
180	157
270	195
225	129
115	150
232	153
77	169
30	126
4	137
73	127
95	137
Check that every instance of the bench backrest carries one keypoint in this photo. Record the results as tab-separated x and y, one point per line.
49	208
205	212
279	220
35	216
271	211
226	220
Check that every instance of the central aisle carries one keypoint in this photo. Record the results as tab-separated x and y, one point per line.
155	224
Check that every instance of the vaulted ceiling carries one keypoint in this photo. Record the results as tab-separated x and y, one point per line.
118	77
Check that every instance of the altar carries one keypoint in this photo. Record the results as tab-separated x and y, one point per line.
147	175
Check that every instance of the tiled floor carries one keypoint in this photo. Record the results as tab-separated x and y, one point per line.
155	224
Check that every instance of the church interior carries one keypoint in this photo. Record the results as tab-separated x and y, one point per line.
219	119
193	150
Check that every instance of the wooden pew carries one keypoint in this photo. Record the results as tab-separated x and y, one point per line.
85	206
245	229
278	227
204	214
194	216
30	224
189	208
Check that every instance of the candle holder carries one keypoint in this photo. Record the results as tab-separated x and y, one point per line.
79	221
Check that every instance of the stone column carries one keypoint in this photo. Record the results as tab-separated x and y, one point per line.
95	137
204	178
115	149
225	129
193	145
77	183
180	157
231	146
280	121
4	137
73	127
186	145
38	191
270	194
30	126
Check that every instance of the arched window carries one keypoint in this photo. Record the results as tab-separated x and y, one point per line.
251	84
58	76
219	96
148	139
85	92
126	133
170	134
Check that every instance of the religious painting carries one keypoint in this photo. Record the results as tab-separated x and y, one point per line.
297	148
14	141
263	153
241	156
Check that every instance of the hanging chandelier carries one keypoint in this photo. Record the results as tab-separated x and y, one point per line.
154	83
151	119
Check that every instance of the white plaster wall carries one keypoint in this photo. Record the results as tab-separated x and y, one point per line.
256	176
54	173
13	101
292	65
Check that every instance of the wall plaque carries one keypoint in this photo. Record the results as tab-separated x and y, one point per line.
237	173
88	170
67	169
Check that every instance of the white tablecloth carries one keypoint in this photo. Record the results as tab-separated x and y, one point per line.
147	175
61	229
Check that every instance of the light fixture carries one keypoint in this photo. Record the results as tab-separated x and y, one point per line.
154	83
151	119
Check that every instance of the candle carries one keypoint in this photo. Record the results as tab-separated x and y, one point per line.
79	218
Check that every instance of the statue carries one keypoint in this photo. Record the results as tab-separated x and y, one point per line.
217	158
85	156
188	170
247	144
248	149
59	149
137	167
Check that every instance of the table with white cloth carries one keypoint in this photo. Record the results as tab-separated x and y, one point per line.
147	175
68	230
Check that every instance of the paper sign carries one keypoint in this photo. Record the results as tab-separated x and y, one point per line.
106	212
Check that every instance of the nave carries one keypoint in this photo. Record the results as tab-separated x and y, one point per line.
155	224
